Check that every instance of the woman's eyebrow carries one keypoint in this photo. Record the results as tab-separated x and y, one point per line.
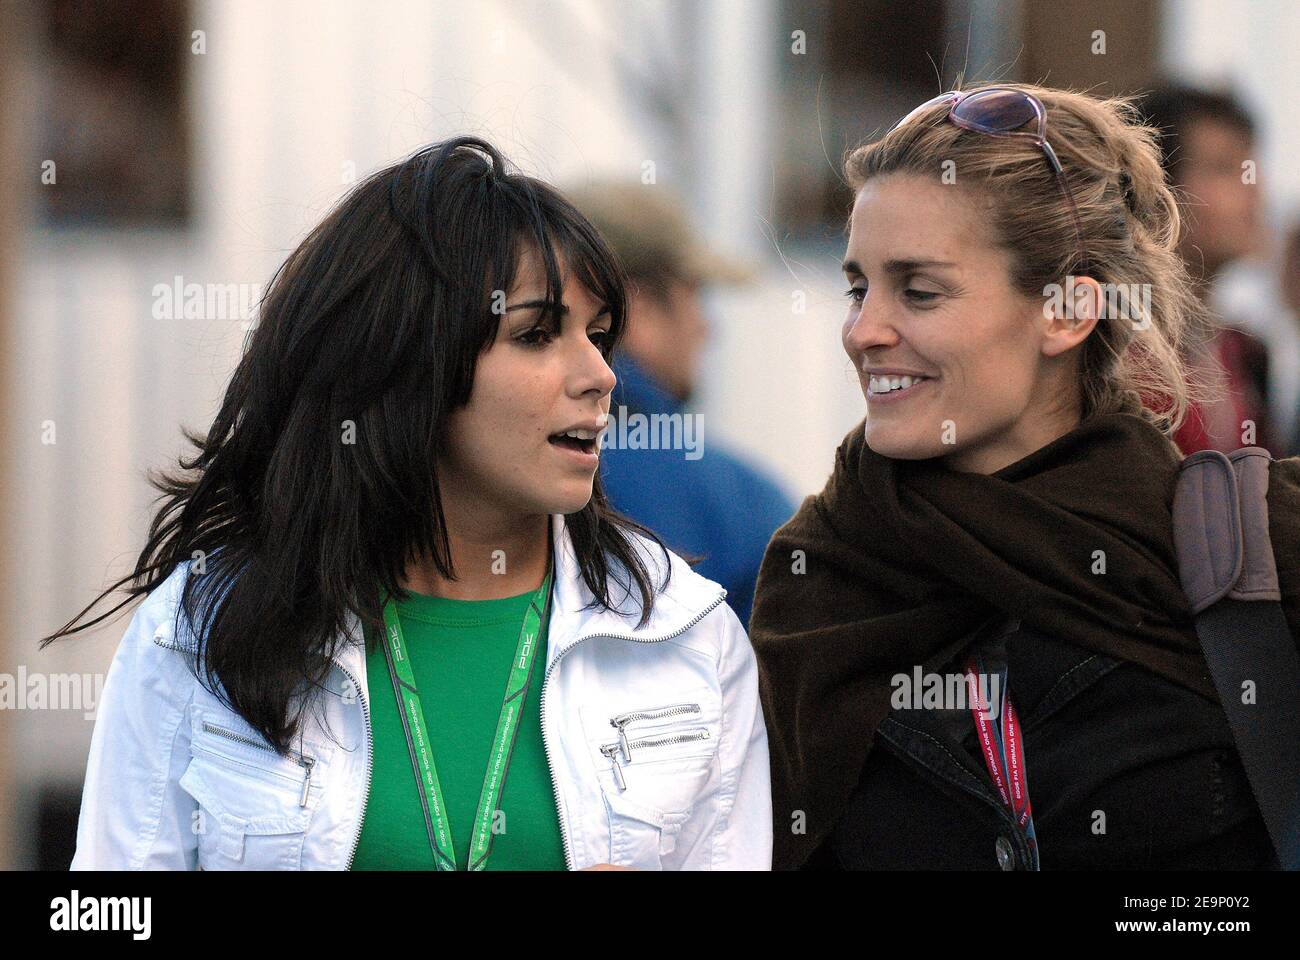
897	266
551	305
560	309
908	266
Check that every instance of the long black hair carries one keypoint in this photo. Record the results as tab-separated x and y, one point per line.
317	480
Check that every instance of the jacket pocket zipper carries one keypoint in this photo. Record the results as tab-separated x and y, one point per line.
301	759
613	749
621	721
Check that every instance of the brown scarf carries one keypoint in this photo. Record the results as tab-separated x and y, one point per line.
896	562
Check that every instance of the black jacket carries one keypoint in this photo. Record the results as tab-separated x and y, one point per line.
1126	770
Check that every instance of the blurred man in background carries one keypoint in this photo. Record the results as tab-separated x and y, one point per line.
1205	139
708	503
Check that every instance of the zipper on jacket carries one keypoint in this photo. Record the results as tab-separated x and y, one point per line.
555	787
172	645
370	743
370	758
301	759
611	750
621	721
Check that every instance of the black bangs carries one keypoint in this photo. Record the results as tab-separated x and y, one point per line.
472	218
548	224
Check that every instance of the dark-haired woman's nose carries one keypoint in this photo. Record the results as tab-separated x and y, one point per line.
591	372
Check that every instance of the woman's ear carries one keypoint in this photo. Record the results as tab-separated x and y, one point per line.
1070	314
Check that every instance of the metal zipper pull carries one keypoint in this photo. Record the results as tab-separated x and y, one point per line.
623	743
611	750
621	721
307	763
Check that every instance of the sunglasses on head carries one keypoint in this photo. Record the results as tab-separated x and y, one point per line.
1002	112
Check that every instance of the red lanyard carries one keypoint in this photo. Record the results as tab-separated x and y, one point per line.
1003	748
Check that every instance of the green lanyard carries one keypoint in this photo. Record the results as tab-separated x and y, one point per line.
417	737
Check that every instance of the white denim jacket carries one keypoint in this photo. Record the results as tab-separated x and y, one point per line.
176	780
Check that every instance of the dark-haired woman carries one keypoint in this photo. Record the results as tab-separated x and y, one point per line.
391	622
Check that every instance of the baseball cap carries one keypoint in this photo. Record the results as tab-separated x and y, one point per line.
652	233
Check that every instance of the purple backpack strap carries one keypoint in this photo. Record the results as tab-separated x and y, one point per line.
1227	569
1221	528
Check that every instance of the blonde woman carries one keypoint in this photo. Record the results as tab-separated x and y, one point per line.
999	526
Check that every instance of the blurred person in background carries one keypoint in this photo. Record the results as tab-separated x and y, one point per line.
1205	138
715	506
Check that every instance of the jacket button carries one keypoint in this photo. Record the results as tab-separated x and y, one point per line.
1006	853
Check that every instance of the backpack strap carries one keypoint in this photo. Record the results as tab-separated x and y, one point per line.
1227	569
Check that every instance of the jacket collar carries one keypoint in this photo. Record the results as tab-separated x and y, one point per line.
574	615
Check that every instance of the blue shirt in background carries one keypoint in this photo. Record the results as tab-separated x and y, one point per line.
702	502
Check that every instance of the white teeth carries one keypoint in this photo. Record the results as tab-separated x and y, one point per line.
887	384
580	434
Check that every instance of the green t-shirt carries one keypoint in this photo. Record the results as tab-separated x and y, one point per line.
461	651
